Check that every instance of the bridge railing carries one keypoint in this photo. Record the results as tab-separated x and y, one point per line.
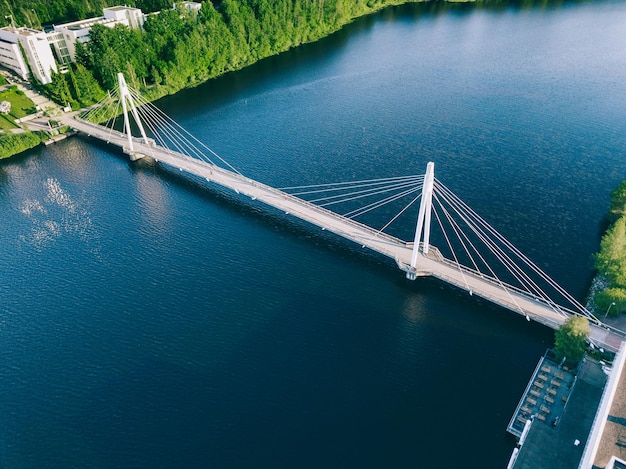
375	234
512	305
554	306
500	284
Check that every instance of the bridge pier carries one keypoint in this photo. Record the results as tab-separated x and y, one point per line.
133	155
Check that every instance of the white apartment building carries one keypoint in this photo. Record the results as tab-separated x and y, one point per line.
64	37
36	49
11	57
131	17
57	42
191	6
39	49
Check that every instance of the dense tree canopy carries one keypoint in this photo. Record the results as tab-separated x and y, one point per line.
76	88
570	340
618	202
35	13
611	262
611	259
178	48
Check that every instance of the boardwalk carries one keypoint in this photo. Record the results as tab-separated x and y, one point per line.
434	264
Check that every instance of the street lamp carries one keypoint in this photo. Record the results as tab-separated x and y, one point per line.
607	310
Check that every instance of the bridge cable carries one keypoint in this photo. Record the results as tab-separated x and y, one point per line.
107	102
373	185
524	259
456	228
450	246
335	199
151	106
362	189
494	275
374	205
461	206
494	248
506	261
415	199
162	130
350	183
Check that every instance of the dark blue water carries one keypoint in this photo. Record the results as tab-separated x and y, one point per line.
150	320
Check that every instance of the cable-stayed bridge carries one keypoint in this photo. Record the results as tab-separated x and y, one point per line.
477	258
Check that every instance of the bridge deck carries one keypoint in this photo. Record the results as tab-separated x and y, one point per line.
434	264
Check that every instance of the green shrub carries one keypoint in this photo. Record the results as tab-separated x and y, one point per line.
618	202
611	260
611	300
13	144
570	340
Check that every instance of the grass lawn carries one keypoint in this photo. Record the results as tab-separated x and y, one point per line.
6	122
20	105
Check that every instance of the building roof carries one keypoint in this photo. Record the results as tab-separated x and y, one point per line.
613	440
22	31
545	397
120	8
82	24
556	447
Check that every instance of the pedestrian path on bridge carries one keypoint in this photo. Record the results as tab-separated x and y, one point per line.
417	258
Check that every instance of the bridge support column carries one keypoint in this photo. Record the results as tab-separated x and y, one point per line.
128	102
423	220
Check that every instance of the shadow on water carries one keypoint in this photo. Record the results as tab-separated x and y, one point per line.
4	177
258	213
21	158
223	89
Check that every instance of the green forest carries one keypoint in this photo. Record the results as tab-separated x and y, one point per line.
38	13
178	49
611	260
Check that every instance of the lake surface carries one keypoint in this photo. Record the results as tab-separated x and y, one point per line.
150	320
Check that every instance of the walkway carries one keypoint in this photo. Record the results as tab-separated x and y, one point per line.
41	102
434	264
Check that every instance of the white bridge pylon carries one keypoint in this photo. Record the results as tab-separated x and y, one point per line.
423	219
498	271
128	102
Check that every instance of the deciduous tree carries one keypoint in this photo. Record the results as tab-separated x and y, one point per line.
570	340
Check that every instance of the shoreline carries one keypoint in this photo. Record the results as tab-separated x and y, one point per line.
156	92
